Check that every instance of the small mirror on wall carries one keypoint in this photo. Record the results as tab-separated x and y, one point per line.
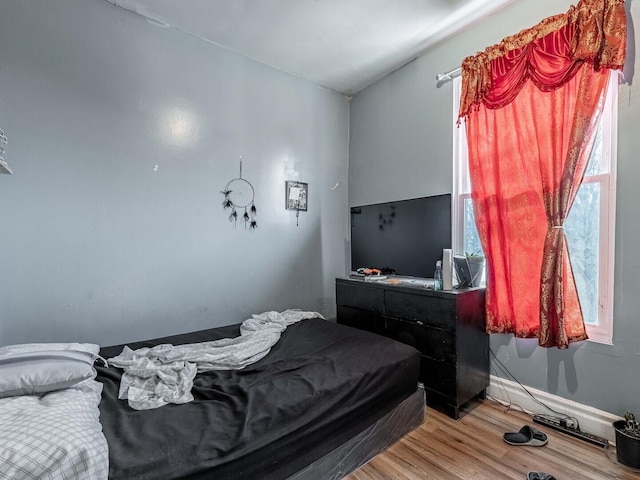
297	194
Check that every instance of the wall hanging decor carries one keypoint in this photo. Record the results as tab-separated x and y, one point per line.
4	167
240	195
296	196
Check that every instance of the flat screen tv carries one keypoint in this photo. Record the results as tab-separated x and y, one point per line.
405	237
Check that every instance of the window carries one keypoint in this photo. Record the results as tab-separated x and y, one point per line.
590	227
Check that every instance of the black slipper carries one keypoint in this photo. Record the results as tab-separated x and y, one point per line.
526	436
539	476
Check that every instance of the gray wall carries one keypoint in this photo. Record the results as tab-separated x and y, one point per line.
96	245
401	147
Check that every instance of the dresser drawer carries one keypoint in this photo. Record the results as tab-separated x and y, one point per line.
362	319
430	310
360	296
433	342
439	376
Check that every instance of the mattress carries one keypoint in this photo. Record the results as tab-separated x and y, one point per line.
320	385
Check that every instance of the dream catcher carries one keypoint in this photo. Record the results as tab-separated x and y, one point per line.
239	197
4	167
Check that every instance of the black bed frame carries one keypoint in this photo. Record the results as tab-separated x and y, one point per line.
392	404
370	442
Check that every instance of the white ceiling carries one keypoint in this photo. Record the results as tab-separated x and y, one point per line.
342	45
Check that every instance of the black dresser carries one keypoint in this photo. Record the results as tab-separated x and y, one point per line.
447	327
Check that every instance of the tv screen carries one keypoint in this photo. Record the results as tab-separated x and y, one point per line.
405	236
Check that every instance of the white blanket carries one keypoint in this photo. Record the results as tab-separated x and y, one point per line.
164	374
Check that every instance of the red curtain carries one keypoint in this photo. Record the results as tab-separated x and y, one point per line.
531	105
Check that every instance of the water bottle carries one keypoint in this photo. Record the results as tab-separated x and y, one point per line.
437	276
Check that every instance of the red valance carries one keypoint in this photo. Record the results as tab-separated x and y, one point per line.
549	54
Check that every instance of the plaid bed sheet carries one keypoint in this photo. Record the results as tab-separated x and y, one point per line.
55	436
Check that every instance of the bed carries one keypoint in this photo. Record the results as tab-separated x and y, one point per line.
323	401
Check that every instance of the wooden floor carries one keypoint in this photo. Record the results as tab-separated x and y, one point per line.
472	448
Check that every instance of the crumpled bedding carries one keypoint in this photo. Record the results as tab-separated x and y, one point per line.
164	374
321	384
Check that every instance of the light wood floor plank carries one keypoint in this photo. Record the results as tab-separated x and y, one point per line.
472	448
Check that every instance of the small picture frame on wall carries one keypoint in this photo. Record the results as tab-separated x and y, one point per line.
297	194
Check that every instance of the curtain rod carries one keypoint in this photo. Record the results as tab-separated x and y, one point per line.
450	75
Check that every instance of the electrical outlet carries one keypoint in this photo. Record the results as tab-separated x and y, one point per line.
571	423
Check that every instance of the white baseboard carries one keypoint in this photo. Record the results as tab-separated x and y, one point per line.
592	420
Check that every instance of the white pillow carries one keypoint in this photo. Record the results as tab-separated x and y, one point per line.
36	368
